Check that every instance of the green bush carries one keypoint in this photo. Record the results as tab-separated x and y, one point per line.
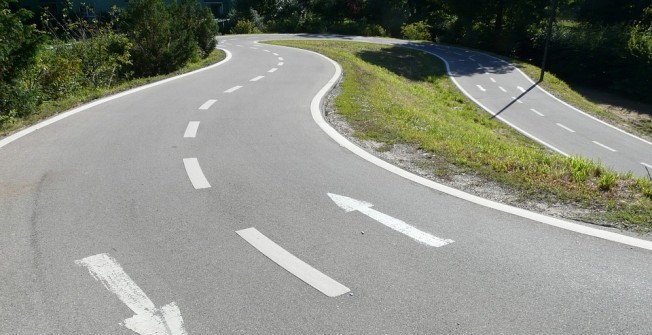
416	31
244	27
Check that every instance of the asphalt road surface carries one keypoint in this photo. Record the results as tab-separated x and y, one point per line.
215	204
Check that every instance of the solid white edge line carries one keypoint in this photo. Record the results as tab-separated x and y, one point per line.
315	110
233	89
191	130
293	264
604	146
195	173
207	104
566	128
646	165
257	78
92	104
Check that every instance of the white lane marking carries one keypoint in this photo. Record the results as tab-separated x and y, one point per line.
280	64
266	50
272	70
480	65
257	78
536	112
191	130
207	104
318	117
457	54
238	45
253	48
280	58
564	127
517	100
604	146
481	88
292	264
350	205
471	58
275	54
233	89
195	173
646	165
82	108
502	89
520	89
492	79
147	319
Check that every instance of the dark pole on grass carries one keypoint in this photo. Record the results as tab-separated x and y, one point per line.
548	36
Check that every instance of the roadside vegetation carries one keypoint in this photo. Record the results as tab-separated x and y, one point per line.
66	60
396	95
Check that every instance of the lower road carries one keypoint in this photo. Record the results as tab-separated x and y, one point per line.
215	204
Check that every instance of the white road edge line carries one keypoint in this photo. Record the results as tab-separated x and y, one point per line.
566	128
292	264
646	165
272	70
536	112
315	110
604	146
195	173
257	78
207	104
82	108
233	89
191	130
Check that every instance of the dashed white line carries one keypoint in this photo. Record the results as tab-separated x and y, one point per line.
517	100
492	79
191	130
292	264
195	173
233	89
266	50
502	89
480	65
536	112
207	104
520	89
457	54
280	58
275	54
481	88
257	78
604	146
253	48
272	70
238	45
564	127
279	64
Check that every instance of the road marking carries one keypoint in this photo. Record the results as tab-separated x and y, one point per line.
233	89
195	173
480	65
257	78
148	319
517	100
520	89
254	48
275	54
604	146
492	79
471	58
536	112
238	45
207	104
502	89
646	165
481	88
272	70
292	264
191	130
562	126
457	53
279	64
266	50
350	205
280	58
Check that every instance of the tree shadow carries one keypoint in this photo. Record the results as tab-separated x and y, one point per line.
403	62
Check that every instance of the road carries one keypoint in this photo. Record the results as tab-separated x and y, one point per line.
215	204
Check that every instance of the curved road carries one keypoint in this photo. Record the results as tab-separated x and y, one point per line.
214	204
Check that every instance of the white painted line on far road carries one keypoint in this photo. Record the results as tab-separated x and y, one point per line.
280	58
318	117
147	319
207	104
275	54
480	65
253	48
195	173
280	64
517	100
566	128
481	88
502	89
233	89
536	112
604	146
520	89
272	70
350	205
492	79
266	50
257	78
191	130
292	264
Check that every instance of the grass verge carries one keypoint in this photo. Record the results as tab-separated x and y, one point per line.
397	95
51	108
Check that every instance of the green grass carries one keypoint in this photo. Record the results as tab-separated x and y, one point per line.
396	95
51	108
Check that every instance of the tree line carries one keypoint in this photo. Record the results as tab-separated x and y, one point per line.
62	55
601	43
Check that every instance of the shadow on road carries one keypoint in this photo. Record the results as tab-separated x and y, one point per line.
515	100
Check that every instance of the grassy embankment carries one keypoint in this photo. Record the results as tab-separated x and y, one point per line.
51	108
397	95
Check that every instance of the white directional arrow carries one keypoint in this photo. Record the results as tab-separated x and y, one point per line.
350	205
148	319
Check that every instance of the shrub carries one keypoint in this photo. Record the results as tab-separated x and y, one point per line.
607	180
416	31
244	27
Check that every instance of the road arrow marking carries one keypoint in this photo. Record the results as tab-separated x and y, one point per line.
148	320
481	88
292	264
350	205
